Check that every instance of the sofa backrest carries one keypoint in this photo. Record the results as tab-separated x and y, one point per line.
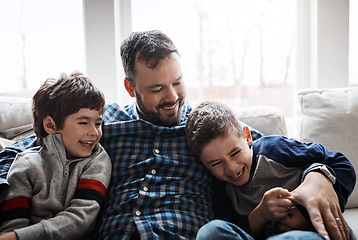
15	118
330	117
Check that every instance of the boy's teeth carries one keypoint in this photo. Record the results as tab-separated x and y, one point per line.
86	142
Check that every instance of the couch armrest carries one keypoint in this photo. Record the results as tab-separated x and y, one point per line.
330	117
267	119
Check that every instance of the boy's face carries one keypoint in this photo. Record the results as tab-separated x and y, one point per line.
228	158
81	132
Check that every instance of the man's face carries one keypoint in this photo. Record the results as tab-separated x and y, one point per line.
160	92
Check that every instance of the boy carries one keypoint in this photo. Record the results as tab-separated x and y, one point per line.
258	173
56	189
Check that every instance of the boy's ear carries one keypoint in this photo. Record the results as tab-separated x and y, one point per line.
248	135
129	87
49	125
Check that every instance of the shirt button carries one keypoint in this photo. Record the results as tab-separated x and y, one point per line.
156	151
138	213
153	171
145	189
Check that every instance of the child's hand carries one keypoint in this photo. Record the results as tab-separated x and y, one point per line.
274	204
294	221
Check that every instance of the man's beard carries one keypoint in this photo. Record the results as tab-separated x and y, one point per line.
154	117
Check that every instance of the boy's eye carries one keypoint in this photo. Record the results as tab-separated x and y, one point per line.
98	124
215	164
82	123
235	153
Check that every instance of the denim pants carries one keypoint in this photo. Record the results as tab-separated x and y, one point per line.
222	230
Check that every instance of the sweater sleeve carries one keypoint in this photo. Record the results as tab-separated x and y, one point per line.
15	209
7	156
78	218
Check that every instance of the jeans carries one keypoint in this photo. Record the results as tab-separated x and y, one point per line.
221	230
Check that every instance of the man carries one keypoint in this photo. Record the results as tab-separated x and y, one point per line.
159	190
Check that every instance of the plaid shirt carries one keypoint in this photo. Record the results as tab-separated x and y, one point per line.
157	184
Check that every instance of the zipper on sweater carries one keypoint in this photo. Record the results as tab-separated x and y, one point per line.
65	181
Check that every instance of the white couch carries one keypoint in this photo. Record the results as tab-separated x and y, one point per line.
329	117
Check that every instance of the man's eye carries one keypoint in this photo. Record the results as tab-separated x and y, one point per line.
157	90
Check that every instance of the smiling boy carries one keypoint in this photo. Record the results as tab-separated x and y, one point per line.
259	174
56	189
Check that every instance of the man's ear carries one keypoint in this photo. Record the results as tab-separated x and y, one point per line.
129	87
49	125
248	135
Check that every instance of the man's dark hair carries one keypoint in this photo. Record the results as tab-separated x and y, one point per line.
150	47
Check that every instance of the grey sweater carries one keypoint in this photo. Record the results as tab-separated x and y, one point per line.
51	197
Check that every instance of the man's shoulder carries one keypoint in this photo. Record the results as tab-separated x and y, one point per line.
115	113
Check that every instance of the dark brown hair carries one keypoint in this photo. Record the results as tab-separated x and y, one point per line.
150	47
62	97
208	121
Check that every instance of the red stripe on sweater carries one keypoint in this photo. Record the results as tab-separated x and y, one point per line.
20	202
92	184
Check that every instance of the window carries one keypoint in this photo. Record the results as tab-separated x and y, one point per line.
238	52
353	42
38	39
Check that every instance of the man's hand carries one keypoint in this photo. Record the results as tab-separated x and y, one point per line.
317	195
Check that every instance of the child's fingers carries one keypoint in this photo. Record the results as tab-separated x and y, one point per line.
278	192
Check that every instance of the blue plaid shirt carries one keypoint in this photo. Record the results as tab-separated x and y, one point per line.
158	186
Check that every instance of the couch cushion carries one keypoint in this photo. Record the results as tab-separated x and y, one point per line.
267	119
350	215
330	117
15	112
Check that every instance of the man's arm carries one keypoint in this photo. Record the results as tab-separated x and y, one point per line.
7	156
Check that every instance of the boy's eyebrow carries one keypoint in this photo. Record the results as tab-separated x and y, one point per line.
233	150
212	161
86	118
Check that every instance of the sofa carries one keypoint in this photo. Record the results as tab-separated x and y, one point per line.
328	116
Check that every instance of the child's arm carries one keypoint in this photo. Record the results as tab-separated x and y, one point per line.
7	156
15	209
77	218
273	207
